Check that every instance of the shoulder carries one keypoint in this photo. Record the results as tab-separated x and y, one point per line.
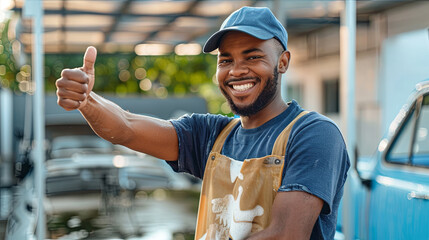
316	122
196	135
316	135
203	119
213	123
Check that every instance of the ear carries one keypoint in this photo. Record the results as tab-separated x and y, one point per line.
284	60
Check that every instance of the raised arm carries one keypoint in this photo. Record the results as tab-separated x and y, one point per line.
153	136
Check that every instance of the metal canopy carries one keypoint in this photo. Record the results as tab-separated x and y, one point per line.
119	25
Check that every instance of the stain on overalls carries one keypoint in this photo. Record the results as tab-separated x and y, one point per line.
237	196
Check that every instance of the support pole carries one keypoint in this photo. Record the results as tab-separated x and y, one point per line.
35	10
6	138
347	77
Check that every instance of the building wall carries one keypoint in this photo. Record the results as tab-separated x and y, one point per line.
316	58
407	18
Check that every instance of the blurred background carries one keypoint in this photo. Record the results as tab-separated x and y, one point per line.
150	62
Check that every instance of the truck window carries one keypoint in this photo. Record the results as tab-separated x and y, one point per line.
420	155
399	151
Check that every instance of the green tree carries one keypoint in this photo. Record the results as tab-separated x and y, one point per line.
154	76
123	74
8	68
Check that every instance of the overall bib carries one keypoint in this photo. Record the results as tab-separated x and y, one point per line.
237	196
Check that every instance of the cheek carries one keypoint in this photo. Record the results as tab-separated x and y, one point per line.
265	68
220	76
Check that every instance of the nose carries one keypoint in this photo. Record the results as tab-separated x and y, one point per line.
238	69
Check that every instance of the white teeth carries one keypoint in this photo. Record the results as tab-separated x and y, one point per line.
242	87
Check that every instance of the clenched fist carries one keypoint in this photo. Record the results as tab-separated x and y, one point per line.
75	85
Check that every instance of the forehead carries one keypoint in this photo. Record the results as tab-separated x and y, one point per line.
239	40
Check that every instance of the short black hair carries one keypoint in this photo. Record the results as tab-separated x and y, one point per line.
279	46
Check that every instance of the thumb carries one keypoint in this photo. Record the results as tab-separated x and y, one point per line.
89	59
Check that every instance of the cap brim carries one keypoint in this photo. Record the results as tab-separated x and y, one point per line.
213	42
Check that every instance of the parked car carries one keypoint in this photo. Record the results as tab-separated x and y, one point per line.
79	160
389	199
97	190
85	163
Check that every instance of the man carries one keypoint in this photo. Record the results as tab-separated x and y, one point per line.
276	173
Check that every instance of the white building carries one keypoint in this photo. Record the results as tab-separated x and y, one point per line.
392	56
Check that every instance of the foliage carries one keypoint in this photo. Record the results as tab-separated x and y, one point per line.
122	74
154	76
8	68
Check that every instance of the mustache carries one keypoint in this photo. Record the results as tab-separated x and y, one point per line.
242	79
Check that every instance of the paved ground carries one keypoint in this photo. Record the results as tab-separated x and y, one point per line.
2	229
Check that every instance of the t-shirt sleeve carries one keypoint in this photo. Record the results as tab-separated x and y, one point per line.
196	135
316	162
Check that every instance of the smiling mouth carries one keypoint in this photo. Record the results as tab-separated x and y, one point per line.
242	87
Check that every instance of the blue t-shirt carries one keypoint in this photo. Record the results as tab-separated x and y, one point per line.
316	158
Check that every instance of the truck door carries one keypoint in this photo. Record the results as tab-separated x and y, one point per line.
399	196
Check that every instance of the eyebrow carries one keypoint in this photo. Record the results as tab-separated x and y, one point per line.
244	52
252	50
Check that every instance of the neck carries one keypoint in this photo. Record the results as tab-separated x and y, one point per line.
269	112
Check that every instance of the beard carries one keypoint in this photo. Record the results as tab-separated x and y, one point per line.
267	95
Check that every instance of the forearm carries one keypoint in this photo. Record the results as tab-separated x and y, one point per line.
278	233
273	232
106	118
262	235
292	217
145	134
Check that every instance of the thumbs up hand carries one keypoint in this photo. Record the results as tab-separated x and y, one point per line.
75	85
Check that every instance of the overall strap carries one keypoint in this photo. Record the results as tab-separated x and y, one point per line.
279	147
217	147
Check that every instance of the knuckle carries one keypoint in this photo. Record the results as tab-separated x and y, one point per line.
65	72
59	83
61	94
67	104
82	97
84	88
85	79
61	102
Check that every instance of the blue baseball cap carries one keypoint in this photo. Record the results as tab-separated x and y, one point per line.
258	22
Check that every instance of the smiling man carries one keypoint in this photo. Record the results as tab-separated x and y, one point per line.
248	75
277	172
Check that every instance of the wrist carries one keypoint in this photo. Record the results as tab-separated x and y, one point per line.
85	104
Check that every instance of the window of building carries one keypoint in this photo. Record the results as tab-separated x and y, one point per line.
331	96
294	92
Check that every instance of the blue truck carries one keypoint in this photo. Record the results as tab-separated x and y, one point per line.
388	195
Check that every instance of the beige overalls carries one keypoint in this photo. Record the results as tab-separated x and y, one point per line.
237	196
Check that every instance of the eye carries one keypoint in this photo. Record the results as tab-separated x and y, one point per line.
254	57
224	61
